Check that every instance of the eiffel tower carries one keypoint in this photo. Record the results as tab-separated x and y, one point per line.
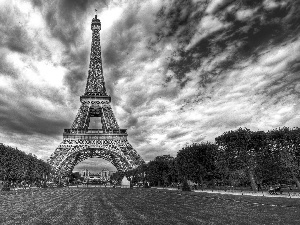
80	142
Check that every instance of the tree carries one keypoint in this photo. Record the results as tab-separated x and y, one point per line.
286	143
172	175
269	168
159	169
140	174
241	150
75	176
197	161
117	177
16	165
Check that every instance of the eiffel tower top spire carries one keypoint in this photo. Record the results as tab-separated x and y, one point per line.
95	85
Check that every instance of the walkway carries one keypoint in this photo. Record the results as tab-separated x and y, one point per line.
285	194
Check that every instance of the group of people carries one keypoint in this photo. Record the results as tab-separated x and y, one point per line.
274	190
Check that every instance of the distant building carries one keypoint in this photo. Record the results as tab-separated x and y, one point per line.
85	173
103	175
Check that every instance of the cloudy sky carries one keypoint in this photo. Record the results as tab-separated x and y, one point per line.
179	71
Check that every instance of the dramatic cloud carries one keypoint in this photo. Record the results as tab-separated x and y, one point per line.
178	71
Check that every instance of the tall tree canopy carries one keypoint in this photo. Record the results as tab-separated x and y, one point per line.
16	165
197	161
285	142
242	149
161	170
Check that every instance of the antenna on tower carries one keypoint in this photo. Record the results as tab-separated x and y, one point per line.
96	13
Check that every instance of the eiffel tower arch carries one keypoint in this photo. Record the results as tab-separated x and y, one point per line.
110	142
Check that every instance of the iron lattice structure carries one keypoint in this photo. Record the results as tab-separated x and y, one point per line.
80	142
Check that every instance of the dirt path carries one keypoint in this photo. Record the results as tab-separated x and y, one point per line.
285	194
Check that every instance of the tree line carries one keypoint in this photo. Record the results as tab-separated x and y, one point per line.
17	166
237	158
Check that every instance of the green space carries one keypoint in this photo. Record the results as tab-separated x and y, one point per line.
99	205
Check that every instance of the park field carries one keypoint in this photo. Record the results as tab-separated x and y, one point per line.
99	205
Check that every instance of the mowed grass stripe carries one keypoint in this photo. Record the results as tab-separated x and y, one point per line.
135	207
63	215
109	197
156	206
164	204
88	204
22	204
35	206
131	206
216	209
171	203
184	210
55	213
98	211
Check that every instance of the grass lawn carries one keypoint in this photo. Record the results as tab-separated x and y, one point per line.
142	206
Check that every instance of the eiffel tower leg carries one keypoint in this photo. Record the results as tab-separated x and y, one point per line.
132	156
82	119
56	158
108	118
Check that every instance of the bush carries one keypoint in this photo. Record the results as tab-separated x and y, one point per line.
185	186
5	187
